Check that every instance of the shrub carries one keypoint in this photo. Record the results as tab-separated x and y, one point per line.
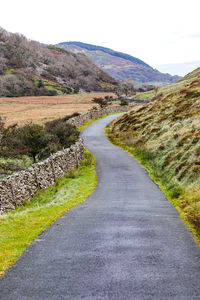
63	134
34	138
123	102
102	102
37	141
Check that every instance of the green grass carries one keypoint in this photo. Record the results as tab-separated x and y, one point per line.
53	86
93	120
9	71
20	227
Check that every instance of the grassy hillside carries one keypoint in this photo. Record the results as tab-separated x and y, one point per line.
120	65
190	81
28	68
165	136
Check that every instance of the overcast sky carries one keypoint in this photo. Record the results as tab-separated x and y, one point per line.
155	31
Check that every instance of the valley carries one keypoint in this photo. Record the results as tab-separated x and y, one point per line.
99	150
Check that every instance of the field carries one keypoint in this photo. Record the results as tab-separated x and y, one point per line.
43	109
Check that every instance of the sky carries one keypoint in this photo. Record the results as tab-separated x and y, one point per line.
156	31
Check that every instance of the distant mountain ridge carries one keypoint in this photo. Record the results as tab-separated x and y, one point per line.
120	65
107	50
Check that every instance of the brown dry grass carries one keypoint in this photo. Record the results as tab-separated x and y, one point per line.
42	109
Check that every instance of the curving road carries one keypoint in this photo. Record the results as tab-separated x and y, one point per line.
125	242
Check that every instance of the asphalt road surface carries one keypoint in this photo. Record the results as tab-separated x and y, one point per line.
125	242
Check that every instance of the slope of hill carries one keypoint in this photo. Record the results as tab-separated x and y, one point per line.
120	65
165	136
191	80
30	68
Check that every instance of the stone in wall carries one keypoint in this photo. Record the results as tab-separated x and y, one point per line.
21	186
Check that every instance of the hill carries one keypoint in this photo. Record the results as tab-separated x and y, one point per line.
190	81
165	136
120	65
30	68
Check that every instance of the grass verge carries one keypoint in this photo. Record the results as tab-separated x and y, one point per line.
20	227
174	193
80	128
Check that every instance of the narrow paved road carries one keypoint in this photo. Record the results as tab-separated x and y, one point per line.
125	242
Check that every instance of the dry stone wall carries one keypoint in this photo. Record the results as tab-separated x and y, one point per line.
80	120
21	186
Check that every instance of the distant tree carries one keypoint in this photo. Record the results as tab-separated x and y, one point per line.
101	101
124	102
125	87
149	87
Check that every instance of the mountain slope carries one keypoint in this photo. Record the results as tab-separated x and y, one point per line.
120	65
30	68
165	136
190	81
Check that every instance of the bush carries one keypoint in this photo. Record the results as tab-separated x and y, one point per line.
35	138
63	134
102	102
37	141
124	102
